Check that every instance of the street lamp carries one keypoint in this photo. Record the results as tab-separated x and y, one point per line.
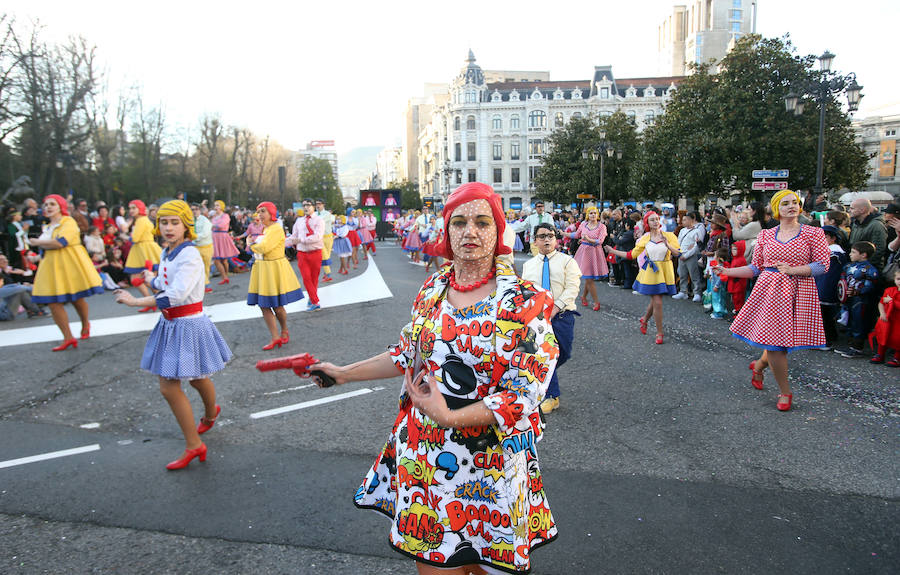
447	171
822	90
602	150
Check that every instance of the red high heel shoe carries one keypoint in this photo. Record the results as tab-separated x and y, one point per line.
189	454
756	380
68	343
206	423
644	326
596	306
149	308
86	331
225	281
785	406
584	302
272	344
285	336
659	338
207	290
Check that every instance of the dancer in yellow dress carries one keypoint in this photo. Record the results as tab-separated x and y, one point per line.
273	283
654	253
204	241
143	248
66	273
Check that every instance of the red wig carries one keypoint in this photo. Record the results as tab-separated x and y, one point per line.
465	194
142	209
63	204
269	207
647	217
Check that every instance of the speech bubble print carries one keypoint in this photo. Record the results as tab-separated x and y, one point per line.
447	462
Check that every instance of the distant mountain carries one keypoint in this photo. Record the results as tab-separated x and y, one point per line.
356	165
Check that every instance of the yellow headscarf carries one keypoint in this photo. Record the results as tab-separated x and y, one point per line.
183	211
776	200
220	204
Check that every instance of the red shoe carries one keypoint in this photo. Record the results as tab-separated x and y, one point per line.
189	454
785	406
596	306
86	331
285	336
327	279
272	344
206	423
209	289
877	358
147	309
659	338
225	281
584	302
895	362
644	326
757	378
68	343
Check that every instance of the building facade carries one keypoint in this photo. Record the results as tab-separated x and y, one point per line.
389	166
878	137
496	132
700	31
321	149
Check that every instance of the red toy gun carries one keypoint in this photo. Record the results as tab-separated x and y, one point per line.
300	365
139	280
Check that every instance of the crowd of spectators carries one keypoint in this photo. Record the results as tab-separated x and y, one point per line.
864	244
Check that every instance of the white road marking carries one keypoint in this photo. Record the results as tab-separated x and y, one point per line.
46	456
94	425
290	389
313	403
368	286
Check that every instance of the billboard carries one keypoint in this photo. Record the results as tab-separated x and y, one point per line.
385	204
887	159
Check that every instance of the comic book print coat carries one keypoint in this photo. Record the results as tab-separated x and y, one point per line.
472	494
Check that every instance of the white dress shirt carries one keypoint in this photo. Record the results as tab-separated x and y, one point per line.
565	277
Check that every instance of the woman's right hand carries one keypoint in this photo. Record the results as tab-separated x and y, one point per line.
331	370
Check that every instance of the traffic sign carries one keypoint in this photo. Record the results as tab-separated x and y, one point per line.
770	173
585	197
766	186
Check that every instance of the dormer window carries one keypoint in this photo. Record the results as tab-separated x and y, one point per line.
514	96
576	94
631	92
649	92
604	92
496	97
536	95
558	94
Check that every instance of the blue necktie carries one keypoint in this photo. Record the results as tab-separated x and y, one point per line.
545	275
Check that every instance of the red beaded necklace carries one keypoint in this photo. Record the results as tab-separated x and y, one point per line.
473	286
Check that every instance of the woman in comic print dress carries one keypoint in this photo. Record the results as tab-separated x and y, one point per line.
459	474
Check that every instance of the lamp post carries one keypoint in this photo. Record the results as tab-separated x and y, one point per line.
822	90
447	171
601	150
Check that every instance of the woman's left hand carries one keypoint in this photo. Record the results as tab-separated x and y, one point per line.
426	396
784	268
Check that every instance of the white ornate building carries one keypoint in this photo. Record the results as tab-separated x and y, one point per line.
497	132
878	136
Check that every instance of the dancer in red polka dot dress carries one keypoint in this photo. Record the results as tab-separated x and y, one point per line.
782	313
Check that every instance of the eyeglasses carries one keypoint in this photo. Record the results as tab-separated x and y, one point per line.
545	236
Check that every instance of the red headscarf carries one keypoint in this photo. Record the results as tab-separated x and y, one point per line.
63	204
464	194
142	209
269	207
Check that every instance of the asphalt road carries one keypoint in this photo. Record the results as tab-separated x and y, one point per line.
661	459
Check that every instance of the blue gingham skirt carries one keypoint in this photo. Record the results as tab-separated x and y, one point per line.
185	348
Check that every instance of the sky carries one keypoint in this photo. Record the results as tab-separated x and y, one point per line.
341	70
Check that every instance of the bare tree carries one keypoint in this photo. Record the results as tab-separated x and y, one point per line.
148	126
55	86
208	149
109	141
10	115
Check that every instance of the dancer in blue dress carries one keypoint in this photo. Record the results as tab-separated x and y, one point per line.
184	344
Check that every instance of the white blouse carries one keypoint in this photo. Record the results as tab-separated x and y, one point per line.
180	278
